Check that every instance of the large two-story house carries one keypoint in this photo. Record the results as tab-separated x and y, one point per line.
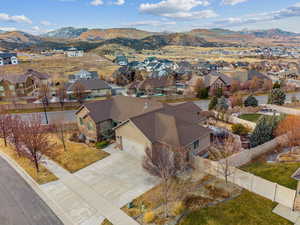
137	124
26	84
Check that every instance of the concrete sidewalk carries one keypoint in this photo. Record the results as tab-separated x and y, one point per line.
87	204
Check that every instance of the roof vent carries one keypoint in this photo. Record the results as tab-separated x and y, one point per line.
146	106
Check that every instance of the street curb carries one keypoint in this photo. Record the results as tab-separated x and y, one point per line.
58	211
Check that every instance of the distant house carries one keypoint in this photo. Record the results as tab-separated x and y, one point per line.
74	52
217	80
151	59
152	86
22	85
121	60
83	74
8	58
257	74
92	88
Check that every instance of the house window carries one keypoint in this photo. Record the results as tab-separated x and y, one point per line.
80	121
90	126
196	144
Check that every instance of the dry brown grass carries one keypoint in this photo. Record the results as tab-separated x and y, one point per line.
43	177
77	155
59	67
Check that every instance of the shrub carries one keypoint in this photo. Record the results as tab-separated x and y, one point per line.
239	129
202	93
213	103
277	97
264	130
276	85
149	217
251	101
222	104
178	208
102	144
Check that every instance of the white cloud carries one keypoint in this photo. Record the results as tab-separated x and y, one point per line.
119	2
292	11
16	19
8	29
180	9
96	2
233	2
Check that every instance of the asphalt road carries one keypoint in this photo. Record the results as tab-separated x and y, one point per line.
67	116
19	204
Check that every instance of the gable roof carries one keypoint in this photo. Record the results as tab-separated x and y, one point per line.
173	125
90	84
212	77
255	73
119	108
152	83
15	79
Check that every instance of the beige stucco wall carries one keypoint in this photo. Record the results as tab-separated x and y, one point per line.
131	132
204	143
83	128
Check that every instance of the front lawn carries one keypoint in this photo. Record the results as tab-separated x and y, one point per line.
77	155
43	177
250	117
275	172
247	209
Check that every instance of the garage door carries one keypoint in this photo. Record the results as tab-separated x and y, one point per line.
133	148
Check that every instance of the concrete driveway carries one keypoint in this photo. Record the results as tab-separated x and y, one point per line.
120	178
101	189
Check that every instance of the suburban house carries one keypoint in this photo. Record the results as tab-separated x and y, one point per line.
83	74
137	124
92	88
74	52
26	84
8	58
217	80
152	86
121	60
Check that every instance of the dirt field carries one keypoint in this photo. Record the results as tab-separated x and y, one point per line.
59	67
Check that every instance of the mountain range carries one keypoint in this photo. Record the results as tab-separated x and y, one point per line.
88	39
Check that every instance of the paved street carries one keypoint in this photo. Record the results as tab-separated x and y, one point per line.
68	116
19	204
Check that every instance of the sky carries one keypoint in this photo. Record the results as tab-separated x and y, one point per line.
40	16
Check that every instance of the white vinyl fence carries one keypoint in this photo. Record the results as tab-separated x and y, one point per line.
250	182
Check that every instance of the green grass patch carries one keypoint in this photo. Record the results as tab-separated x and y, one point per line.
247	209
251	117
279	173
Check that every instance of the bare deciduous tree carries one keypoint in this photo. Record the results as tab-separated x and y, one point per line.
79	92
59	129
17	130
5	126
36	140
222	150
159	162
44	93
61	94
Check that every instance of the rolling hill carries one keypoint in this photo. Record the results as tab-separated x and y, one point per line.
88	39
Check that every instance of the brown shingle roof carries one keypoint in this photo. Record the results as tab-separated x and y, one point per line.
120	108
173	125
13	78
151	83
211	78
91	84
